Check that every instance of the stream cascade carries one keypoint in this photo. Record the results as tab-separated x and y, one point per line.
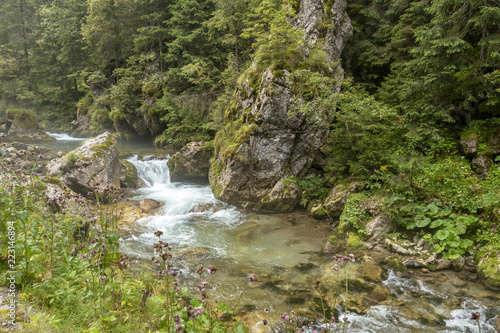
283	250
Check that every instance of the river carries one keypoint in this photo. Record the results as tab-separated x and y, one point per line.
284	253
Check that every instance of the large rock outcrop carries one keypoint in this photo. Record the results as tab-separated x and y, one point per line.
94	164
260	155
191	163
18	132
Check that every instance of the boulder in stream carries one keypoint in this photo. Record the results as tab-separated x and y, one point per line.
128	175
191	163
94	164
379	226
149	206
371	271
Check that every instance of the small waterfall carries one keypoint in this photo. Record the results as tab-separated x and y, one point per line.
152	170
181	219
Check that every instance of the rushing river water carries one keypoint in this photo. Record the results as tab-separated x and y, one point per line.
283	250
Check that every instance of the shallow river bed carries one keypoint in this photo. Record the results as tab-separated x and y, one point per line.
284	253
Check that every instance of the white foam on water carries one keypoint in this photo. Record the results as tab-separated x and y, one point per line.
461	321
64	137
182	227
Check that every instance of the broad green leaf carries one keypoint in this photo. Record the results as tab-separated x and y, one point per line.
442	234
194	302
432	209
422	221
438	248
436	223
453	240
224	308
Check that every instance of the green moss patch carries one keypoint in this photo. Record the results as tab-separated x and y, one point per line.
488	268
233	136
24	118
355	241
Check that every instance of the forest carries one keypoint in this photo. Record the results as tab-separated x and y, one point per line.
411	111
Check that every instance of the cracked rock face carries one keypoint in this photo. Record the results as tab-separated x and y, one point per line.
262	174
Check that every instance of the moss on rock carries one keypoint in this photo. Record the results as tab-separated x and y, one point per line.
355	241
488	268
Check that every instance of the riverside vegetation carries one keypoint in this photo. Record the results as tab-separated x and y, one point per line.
71	275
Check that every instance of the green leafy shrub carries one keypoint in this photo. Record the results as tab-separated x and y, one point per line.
354	216
449	230
313	188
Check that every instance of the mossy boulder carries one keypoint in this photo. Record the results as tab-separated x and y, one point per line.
95	164
396	263
470	144
481	165
317	210
371	271
191	163
334	244
488	268
337	198
23	125
282	198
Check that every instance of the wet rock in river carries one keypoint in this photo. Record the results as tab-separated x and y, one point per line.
128	175
458	264
438	265
191	163
208	207
396	263
334	244
371	271
149	206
